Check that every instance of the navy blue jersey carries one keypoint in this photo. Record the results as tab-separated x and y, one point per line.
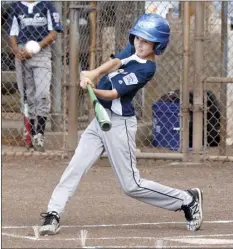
33	20
132	75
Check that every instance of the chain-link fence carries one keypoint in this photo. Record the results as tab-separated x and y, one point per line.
217	71
166	116
219	92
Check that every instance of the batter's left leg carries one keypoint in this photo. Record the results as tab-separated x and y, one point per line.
121	153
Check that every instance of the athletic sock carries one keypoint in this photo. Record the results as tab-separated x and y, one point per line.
33	130
41	122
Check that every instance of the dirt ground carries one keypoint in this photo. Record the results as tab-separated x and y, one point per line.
110	218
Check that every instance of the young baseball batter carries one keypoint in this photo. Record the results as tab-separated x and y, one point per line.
38	21
123	78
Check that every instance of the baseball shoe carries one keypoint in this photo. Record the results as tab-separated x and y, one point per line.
30	147
51	225
193	211
34	142
38	142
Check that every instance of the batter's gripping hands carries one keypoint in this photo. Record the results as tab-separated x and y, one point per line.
87	77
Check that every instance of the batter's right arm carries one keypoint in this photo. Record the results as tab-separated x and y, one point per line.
100	71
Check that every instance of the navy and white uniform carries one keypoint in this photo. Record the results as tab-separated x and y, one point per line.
33	21
119	144
127	80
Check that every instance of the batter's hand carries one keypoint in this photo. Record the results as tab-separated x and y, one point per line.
84	82
89	74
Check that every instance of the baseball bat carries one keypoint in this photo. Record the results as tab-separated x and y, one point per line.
100	113
26	121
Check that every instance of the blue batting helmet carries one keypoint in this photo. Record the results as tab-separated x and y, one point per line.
154	28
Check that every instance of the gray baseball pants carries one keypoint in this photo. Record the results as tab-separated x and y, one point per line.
120	146
38	73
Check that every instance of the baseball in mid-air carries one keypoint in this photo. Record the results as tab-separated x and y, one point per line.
32	47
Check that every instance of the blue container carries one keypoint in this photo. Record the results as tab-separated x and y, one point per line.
166	125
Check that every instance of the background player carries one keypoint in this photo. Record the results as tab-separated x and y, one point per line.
38	21
150	37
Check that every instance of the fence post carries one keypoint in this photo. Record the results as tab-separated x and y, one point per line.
73	87
223	86
56	78
92	53
198	82
185	85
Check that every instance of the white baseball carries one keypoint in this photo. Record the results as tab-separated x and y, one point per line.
32	47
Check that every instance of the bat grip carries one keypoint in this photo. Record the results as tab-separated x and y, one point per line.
91	93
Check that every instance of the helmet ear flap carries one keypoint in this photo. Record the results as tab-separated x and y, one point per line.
131	39
159	48
156	44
